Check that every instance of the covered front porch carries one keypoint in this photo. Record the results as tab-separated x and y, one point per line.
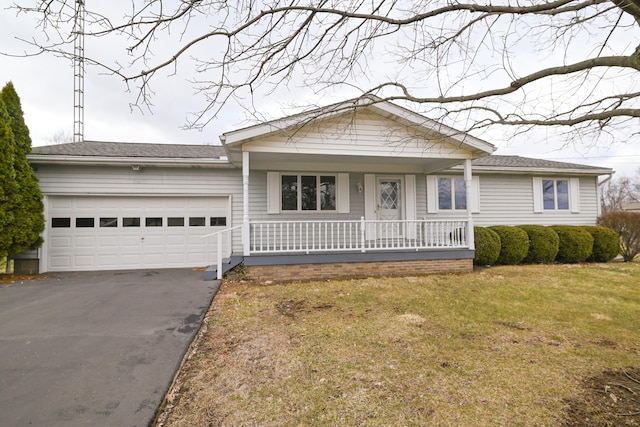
291	243
348	183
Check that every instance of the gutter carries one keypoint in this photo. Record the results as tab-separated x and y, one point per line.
48	159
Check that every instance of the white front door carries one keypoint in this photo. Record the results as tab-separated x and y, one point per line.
390	207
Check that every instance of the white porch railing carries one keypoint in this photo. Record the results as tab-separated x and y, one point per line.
223	250
362	235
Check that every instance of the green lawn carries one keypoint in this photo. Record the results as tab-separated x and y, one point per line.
505	346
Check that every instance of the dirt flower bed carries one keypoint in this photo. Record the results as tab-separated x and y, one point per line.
507	346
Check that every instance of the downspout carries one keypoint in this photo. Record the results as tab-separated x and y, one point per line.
246	241
468	187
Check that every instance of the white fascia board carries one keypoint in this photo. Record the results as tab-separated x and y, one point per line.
128	161
241	135
532	171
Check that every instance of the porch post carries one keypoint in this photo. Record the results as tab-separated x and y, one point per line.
469	186
246	238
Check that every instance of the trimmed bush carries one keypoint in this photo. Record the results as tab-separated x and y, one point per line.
514	244
627	225
606	244
487	246
576	244
544	244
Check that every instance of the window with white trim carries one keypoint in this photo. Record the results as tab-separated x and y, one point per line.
555	194
452	193
308	192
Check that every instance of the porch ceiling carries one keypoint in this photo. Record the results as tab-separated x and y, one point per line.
315	162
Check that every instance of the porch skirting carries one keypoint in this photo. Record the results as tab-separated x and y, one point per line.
260	269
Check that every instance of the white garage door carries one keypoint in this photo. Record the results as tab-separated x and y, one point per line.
113	233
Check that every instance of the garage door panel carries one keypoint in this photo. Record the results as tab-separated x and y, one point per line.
107	261
153	244
85	242
108	241
60	242
60	262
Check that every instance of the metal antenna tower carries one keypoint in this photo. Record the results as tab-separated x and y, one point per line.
78	71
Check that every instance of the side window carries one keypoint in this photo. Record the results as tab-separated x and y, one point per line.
555	194
452	193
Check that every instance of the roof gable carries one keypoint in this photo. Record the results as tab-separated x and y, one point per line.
418	128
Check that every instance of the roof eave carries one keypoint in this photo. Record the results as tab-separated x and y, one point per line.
539	170
128	161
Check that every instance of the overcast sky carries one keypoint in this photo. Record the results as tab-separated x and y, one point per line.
45	86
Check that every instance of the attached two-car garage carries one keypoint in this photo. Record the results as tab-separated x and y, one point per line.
132	232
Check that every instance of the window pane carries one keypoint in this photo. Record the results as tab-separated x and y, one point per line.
460	193
84	222
153	222
108	222
60	222
548	194
562	189
308	193
176	221
444	193
131	222
196	221
289	193
328	193
217	221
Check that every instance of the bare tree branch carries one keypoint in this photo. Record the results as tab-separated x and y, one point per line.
569	63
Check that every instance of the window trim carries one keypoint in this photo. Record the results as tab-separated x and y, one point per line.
573	195
433	202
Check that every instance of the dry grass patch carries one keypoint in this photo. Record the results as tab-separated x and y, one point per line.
503	346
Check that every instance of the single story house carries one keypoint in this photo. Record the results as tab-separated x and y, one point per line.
354	189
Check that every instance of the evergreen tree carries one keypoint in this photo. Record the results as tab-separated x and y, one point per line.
26	202
7	181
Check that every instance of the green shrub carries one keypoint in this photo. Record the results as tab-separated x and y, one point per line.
487	246
627	225
606	244
543	244
514	244
576	244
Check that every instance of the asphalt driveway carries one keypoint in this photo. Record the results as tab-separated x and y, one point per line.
88	349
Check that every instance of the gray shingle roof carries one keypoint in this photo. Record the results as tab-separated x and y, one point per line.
497	161
119	149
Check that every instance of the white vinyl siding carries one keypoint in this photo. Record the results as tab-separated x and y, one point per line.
368	134
514	200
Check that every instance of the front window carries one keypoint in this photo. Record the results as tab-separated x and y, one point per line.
308	192
452	193
555	194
